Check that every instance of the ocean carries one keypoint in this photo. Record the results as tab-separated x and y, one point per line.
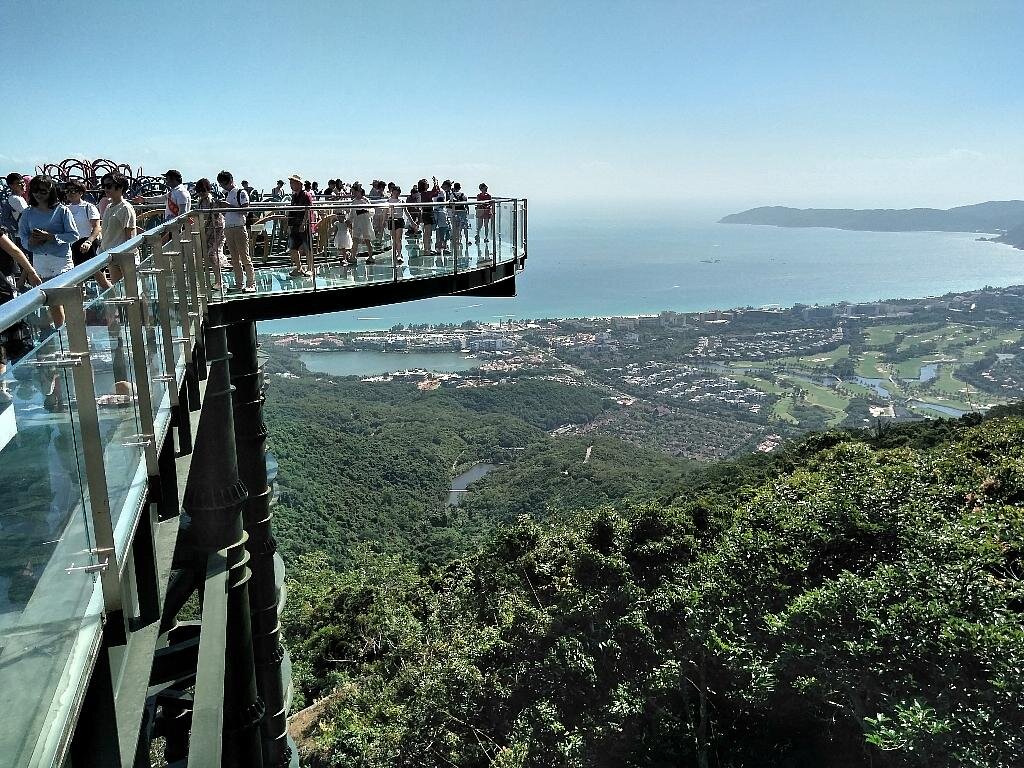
586	263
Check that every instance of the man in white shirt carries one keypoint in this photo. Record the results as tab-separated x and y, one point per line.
178	199
87	219
119	224
15	204
235	203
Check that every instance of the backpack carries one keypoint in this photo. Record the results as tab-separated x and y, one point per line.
250	216
17	339
7	220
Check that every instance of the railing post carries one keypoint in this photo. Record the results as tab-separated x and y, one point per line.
515	229
202	268
92	448
526	234
390	228
495	229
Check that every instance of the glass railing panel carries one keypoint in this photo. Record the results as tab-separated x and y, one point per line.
521	250
153	340
49	605
505	214
482	221
115	384
167	308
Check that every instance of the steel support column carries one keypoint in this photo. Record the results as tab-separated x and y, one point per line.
211	521
250	441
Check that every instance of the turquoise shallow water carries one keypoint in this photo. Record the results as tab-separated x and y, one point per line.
588	263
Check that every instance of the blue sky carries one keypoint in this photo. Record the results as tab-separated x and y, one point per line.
725	104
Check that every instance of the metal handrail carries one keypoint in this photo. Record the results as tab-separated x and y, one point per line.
24	305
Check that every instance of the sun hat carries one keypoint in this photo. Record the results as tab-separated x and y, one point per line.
295	177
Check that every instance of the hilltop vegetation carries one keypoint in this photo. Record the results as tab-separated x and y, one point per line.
854	599
861	607
993	216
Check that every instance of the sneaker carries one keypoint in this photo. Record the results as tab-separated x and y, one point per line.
235	289
249	289
295	273
370	260
400	260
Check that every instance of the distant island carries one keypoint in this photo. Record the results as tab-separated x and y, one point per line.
1004	218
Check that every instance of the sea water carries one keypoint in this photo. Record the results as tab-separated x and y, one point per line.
585	262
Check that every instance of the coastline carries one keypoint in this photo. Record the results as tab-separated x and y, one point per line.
575	271
669	315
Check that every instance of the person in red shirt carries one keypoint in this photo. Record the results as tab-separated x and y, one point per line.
484	215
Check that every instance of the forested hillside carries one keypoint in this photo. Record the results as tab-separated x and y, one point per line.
362	462
852	600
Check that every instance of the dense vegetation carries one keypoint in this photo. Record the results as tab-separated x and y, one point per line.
373	462
854	599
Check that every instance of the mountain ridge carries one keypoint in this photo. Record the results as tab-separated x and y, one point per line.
1004	218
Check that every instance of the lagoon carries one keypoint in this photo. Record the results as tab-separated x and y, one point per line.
466	479
377	363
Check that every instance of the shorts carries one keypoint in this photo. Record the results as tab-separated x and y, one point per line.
49	267
394	224
427	217
298	240
461	220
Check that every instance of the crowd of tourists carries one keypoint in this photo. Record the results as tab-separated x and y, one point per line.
383	211
48	227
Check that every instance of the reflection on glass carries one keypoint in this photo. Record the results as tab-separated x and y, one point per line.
45	530
114	381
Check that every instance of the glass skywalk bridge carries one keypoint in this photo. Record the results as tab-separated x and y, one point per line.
134	475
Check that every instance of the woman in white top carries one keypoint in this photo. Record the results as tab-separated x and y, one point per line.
343	237
213	229
396	223
361	220
48	229
87	219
